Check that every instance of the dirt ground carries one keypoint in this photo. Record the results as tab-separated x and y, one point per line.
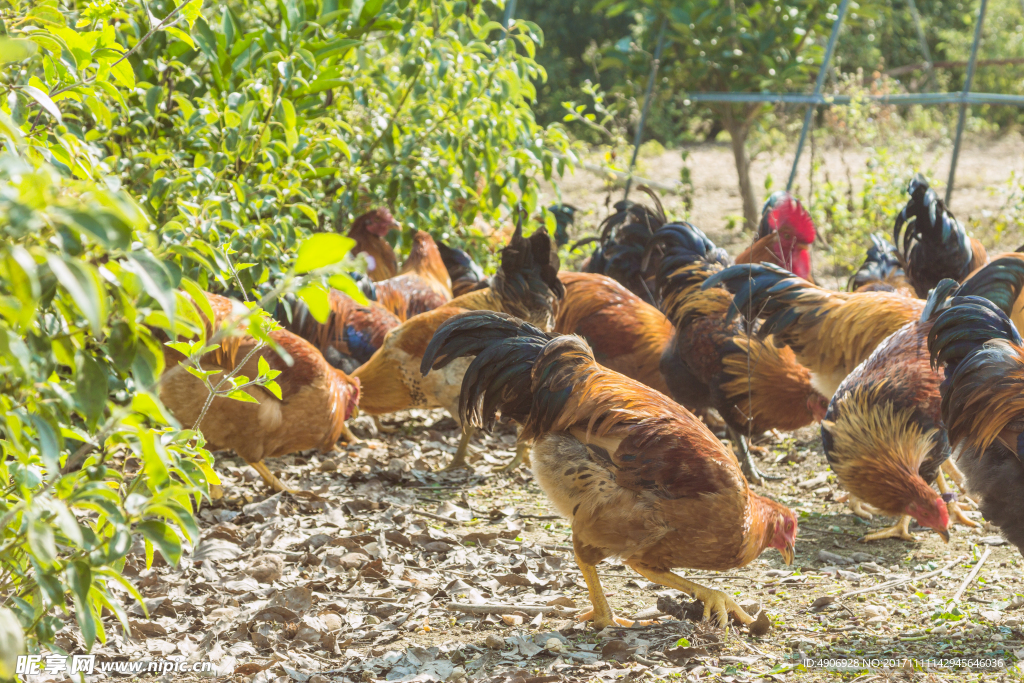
355	580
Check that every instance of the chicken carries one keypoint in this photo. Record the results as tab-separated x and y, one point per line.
422	285
983	406
935	244
564	216
712	363
881	270
626	334
883	434
315	401
526	284
351	333
1006	269
369	230
638	476
831	333
465	274
784	236
623	242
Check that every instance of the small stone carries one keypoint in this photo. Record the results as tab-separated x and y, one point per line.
1012	622
870	567
329	465
494	641
861	557
940	630
371	620
875	611
457	674
876	621
992	615
997	637
331	621
553	645
512	619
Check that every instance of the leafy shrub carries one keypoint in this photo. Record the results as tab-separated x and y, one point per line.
161	148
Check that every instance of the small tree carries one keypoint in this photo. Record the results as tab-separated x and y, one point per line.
739	46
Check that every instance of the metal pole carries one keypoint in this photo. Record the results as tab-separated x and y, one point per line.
924	43
963	103
510	10
655	63
829	49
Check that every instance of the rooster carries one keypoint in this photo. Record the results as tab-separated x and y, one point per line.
712	363
623	242
983	406
422	285
639	477
935	244
1009	264
881	270
883	434
784	236
369	231
465	274
350	335
315	399
526	284
564	215
830	332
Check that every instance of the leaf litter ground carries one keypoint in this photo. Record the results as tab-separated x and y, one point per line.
357	578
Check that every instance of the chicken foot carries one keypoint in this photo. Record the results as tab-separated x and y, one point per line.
900	529
857	506
746	459
382	429
270	479
601	612
717	605
956	514
347	436
462	451
522	455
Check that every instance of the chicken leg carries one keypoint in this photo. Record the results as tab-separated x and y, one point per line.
955	513
522	457
382	429
950	468
717	605
746	460
900	529
857	506
463	450
601	612
347	436
270	479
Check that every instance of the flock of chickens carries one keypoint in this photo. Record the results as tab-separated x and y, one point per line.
611	376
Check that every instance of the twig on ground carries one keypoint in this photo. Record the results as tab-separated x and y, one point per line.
970	577
897	582
509	609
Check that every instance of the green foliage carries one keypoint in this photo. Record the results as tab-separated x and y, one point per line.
152	151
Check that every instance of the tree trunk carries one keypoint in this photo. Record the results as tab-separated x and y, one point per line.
738	132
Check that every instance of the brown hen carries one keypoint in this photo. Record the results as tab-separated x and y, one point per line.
369	231
316	398
639	477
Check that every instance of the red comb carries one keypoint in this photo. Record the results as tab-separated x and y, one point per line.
792	213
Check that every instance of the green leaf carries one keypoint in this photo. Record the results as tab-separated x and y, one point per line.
16	49
343	283
40	541
317	298
12	643
67	523
163	537
156	280
322	250
181	35
82	283
191	12
79	578
90	388
44	101
241	395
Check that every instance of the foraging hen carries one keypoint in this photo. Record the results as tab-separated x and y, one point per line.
639	477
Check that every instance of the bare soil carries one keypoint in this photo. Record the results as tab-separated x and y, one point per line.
354	580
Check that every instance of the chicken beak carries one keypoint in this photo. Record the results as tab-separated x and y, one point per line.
944	533
787	554
355	413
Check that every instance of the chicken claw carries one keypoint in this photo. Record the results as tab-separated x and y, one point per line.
270	479
459	461
717	605
955	510
900	530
